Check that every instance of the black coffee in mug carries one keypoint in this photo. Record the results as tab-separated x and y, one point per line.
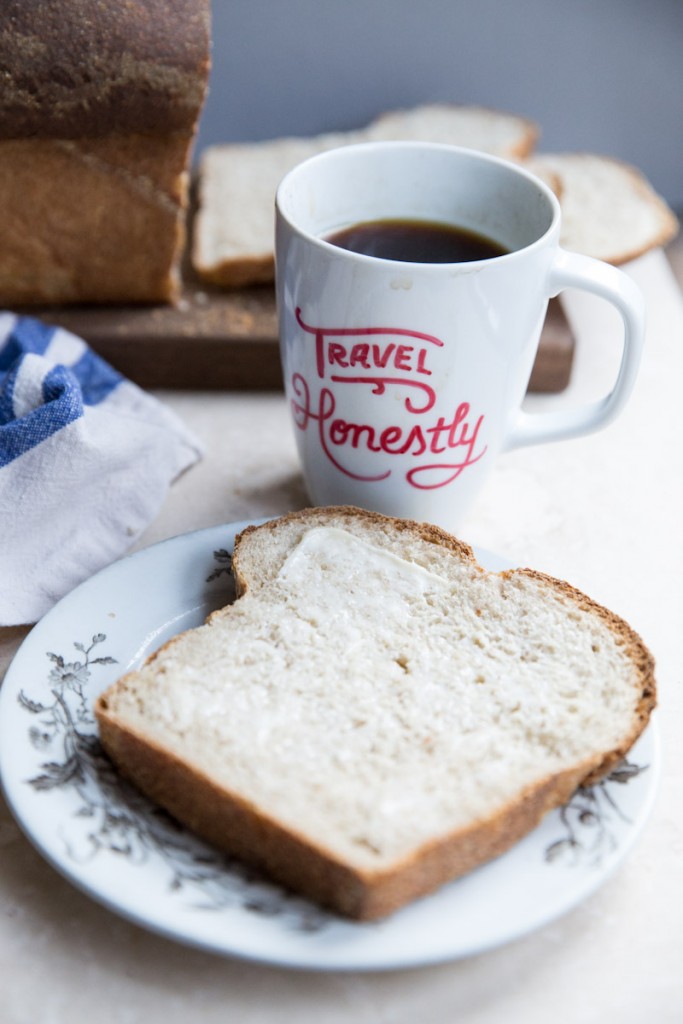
416	241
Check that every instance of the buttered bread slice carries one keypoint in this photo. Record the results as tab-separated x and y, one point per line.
376	714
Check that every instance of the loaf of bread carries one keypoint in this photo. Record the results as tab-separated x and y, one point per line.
609	209
98	111
233	241
376	714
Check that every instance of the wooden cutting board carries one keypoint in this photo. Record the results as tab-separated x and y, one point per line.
215	339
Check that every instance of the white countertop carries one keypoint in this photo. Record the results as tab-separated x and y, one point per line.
603	512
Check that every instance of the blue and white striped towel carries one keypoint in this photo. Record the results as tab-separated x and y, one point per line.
86	459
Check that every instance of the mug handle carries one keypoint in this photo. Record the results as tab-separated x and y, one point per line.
572	270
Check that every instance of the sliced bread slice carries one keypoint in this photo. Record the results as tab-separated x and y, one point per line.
233	238
609	209
376	714
481	128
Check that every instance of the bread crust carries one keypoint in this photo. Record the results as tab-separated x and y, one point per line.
233	824
237	273
74	68
238	828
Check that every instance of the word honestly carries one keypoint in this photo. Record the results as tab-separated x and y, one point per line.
456	437
443	444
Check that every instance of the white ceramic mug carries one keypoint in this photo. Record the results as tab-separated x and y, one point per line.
406	380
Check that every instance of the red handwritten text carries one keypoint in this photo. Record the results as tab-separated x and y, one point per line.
383	357
455	436
404	361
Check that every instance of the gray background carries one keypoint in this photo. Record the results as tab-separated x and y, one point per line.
603	76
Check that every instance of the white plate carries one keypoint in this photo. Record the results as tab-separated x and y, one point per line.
111	843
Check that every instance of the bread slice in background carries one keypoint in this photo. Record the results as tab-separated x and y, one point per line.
376	715
234	229
233	239
609	209
481	128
